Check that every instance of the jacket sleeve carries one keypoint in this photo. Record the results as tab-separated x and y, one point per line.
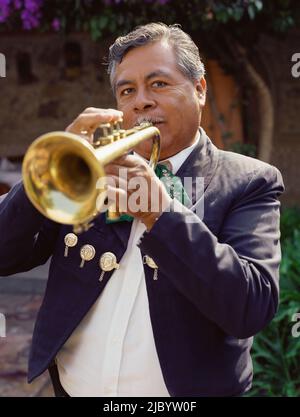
27	238
233	278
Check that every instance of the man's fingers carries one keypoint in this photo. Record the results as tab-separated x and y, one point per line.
119	166
117	197
89	120
114	181
130	161
95	110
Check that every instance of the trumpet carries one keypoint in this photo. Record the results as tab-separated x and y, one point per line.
61	171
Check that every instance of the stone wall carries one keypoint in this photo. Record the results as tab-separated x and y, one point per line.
47	86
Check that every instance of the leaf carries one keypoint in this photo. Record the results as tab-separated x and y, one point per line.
258	5
251	11
103	22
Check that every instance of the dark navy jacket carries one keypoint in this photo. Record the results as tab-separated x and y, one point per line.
217	282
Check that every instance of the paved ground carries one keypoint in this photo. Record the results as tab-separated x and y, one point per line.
20	298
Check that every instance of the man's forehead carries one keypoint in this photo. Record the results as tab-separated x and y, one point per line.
156	51
146	61
153	48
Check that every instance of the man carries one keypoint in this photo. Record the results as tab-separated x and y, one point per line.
176	314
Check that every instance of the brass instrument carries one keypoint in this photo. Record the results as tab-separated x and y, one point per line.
61	171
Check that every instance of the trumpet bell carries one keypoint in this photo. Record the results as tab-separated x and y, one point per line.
60	174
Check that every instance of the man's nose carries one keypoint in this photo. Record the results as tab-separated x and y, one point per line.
143	101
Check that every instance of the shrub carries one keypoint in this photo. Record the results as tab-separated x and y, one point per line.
276	353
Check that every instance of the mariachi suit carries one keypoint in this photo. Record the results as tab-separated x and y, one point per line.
217	280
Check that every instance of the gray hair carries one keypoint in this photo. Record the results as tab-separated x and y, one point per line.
187	53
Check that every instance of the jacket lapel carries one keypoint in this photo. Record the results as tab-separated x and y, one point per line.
122	231
117	233
199	166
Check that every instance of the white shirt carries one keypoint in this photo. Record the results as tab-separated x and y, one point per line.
112	352
177	160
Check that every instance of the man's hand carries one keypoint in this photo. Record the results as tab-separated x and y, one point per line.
87	122
135	188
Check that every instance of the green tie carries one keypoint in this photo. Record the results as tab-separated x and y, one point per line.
173	186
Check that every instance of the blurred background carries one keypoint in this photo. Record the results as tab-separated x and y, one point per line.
52	66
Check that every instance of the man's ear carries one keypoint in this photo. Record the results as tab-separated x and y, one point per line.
201	90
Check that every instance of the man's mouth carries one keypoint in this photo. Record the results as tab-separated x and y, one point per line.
156	121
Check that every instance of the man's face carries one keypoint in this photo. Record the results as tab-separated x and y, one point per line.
149	84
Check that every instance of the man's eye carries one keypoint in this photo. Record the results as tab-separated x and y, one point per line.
126	91
159	84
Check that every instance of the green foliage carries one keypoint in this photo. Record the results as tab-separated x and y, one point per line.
290	222
276	353
105	17
235	10
248	149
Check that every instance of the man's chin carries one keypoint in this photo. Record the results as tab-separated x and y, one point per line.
145	152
